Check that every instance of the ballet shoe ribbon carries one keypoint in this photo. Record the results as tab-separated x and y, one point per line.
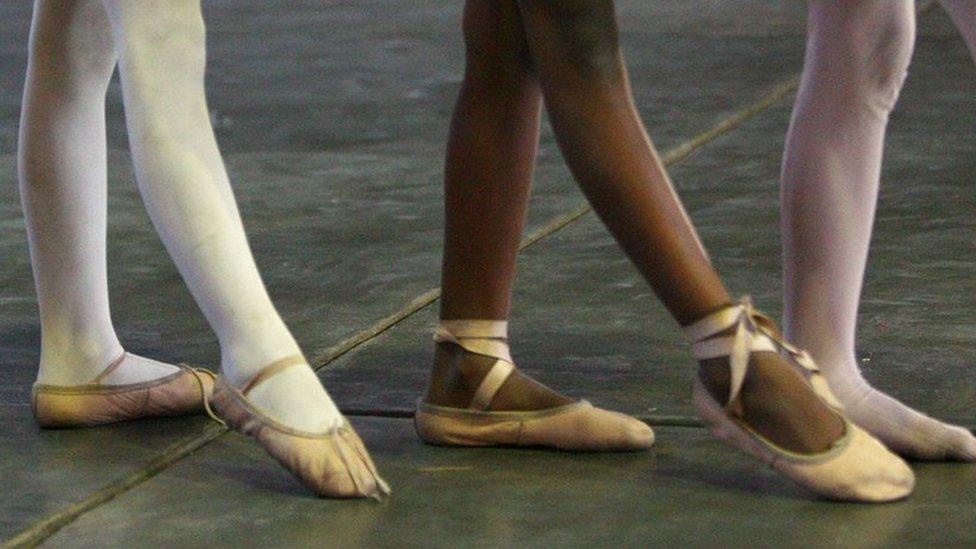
197	373
752	332
473	341
743	343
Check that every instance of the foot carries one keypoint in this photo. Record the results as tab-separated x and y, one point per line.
138	369
754	397
457	374
286	396
776	402
523	411
127	389
295	398
903	429
100	367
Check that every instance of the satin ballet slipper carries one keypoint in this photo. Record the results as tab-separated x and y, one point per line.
577	427
856	468
96	403
332	463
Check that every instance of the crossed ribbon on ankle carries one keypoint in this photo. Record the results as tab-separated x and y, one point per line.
750	326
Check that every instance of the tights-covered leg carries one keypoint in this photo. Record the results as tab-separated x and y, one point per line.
856	60
62	164
181	177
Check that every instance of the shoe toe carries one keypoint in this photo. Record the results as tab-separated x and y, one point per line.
364	469
638	435
351	480
968	453
334	466
606	430
184	394
896	480
962	446
880	475
886	487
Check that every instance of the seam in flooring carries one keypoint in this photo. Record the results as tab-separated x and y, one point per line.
47	526
657	420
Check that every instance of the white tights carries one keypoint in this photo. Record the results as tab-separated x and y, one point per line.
857	58
160	48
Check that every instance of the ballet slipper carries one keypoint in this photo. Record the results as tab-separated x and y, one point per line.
856	468
577	427
95	403
333	463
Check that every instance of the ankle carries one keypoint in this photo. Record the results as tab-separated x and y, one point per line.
455	375
476	336
75	360
844	378
243	358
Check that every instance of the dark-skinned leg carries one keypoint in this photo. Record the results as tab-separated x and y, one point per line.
490	157
575	51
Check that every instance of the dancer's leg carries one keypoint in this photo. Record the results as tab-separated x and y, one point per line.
575	46
856	60
490	157
963	13
62	163
575	49
161	47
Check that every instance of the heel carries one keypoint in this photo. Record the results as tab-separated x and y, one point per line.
183	392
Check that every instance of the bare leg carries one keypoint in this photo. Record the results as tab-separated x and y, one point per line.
575	49
183	182
856	60
490	156
62	163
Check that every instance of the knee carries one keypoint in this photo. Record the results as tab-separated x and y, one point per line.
163	43
886	64
162	57
496	53
582	32
72	59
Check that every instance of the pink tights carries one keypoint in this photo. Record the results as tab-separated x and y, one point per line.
857	58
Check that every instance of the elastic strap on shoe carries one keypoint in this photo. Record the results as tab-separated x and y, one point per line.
197	373
112	366
272	370
486	338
